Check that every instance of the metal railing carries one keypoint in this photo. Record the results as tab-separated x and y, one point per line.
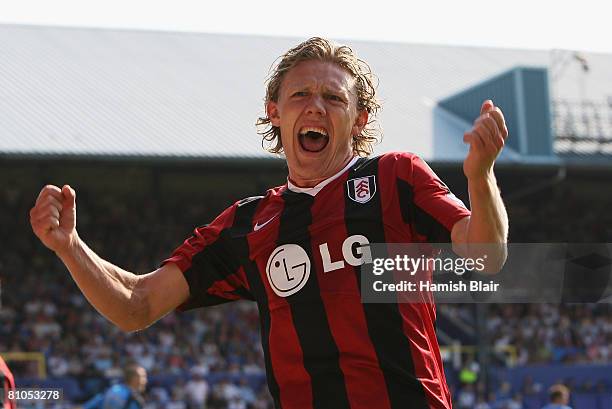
457	353
579	122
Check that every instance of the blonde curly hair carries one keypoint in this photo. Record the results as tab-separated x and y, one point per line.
321	49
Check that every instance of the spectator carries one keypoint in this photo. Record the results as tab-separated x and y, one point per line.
466	399
196	390
530	387
516	402
482	403
469	372
559	397
126	395
245	391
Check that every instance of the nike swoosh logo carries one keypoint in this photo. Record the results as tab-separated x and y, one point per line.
259	226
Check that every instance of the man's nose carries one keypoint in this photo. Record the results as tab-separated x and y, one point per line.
316	105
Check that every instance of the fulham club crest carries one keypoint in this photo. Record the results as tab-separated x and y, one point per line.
361	190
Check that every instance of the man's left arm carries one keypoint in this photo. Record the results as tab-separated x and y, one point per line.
486	230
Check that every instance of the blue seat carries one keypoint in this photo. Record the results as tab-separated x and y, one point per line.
584	400
533	402
604	400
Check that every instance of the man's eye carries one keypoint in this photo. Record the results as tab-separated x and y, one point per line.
335	98
300	94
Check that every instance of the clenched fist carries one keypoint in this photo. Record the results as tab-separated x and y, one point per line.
53	217
486	139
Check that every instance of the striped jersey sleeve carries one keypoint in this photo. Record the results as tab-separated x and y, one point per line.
211	265
427	203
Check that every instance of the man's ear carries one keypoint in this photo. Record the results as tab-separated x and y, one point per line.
360	122
272	111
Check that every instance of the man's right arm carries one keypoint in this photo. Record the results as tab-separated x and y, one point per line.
128	300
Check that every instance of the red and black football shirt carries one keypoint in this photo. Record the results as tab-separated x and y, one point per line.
297	256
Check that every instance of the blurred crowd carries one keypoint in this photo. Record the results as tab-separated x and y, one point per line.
42	309
545	333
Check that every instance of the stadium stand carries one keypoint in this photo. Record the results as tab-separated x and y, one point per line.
44	311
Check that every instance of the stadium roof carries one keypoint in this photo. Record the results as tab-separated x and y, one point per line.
100	92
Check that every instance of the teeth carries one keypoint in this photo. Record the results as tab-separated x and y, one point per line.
307	129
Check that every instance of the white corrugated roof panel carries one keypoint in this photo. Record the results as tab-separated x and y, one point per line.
78	91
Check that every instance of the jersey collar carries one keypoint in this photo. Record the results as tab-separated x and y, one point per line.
312	191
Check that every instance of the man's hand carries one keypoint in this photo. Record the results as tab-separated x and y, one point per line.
486	140
128	300
53	217
486	230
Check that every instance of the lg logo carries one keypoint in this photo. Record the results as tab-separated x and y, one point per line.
288	267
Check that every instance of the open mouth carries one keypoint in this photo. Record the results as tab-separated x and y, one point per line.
313	139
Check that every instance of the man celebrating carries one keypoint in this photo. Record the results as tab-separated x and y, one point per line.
296	251
127	395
